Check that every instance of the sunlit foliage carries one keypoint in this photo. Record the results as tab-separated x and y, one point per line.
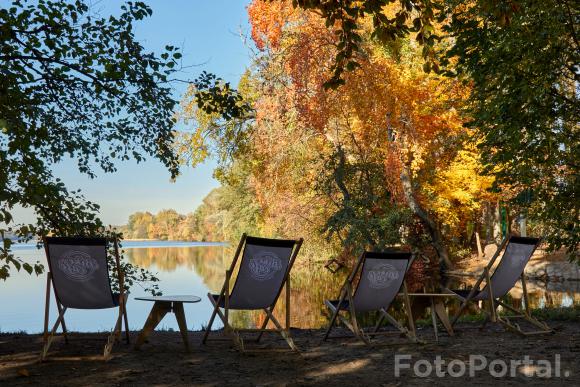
333	163
74	86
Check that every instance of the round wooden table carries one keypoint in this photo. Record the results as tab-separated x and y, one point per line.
163	305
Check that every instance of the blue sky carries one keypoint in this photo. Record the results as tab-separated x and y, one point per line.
208	31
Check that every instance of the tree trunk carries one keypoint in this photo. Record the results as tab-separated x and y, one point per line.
496	223
432	227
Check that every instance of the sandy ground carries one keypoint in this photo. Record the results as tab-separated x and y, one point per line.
345	361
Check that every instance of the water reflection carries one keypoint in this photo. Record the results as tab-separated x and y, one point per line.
198	269
540	294
311	284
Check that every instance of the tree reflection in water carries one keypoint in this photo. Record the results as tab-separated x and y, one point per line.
311	283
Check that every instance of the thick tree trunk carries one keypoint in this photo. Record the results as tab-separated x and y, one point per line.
432	227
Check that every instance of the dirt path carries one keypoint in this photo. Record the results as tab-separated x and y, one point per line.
163	361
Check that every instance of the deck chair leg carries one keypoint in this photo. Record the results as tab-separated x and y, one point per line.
348	323
525	292
47	307
355	328
126	323
460	311
410	334
113	336
510	326
119	332
527	313
238	342
545	328
63	325
491	298
434	319
50	336
332	319
283	333
212	318
264	324
485	322
352	324
379	322
409	311
230	331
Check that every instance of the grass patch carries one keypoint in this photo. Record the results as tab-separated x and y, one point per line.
558	314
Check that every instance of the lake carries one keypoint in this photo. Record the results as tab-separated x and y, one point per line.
198	268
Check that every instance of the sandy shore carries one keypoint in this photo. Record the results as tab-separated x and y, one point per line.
164	362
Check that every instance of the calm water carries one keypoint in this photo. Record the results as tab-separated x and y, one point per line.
196	268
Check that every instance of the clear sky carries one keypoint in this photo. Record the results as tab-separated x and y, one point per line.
208	31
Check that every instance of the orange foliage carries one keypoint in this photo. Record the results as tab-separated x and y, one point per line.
389	113
268	19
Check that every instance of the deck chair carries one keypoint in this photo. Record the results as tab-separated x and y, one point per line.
518	251
382	276
263	271
79	275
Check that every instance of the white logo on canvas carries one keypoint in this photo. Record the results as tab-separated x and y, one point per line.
77	265
382	275
264	265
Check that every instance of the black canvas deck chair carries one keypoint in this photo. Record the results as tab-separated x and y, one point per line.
381	276
264	270
518	251
79	275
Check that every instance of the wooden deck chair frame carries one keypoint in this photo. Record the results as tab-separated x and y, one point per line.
114	336
352	324
492	314
234	333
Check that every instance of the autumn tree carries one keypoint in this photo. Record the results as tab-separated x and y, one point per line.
522	59
358	164
138	224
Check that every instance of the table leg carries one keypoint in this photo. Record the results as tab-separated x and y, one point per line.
180	317
434	319
443	317
159	310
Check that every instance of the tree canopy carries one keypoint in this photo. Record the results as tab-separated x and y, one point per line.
447	96
522	59
365	165
77	86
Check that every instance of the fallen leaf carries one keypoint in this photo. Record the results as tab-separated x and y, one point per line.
23	372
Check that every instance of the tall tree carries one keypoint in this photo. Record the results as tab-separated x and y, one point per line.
79	86
523	59
524	64
348	162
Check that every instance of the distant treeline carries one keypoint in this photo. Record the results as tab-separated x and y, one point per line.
211	221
